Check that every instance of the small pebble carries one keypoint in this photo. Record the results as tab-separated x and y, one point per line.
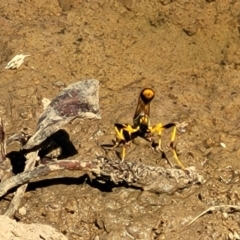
225	215
36	81
54	207
22	211
59	84
223	145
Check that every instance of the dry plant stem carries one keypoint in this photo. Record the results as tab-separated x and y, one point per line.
31	162
40	171
150	178
224	208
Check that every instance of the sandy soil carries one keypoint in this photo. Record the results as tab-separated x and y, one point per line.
187	50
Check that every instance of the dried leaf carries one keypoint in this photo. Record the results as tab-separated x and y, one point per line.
79	99
16	62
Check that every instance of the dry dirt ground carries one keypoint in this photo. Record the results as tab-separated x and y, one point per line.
14	230
187	50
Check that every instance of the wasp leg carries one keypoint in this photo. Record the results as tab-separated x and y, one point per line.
158	129
116	143
172	145
128	133
124	136
123	153
120	140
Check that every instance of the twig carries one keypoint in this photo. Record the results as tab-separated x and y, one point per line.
31	162
150	178
225	208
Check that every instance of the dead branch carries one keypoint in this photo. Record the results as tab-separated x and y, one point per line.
150	178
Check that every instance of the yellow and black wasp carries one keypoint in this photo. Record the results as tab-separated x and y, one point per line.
126	133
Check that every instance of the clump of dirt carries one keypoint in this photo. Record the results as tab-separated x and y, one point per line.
187	51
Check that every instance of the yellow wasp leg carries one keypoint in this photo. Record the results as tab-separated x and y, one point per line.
173	147
131	130
120	136
123	153
119	133
158	129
